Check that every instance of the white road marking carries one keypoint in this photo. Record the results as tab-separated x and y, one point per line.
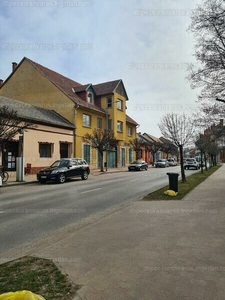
91	191
134	180
2	212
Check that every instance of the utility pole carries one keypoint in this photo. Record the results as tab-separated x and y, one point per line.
107	129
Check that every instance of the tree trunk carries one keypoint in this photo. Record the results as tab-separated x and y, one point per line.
206	167
102	163
182	164
201	161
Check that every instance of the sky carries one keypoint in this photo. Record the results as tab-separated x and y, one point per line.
143	42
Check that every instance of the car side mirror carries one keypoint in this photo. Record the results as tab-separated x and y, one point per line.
69	166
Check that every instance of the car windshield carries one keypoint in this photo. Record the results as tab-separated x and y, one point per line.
161	160
60	163
137	162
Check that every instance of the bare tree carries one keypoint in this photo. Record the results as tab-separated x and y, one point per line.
138	144
156	146
102	140
168	147
202	143
179	130
208	26
11	124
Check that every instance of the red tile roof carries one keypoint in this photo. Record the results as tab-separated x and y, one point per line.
106	87
65	85
130	120
154	138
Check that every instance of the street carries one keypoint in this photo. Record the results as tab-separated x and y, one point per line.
33	211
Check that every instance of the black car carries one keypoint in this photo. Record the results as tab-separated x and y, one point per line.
64	169
138	165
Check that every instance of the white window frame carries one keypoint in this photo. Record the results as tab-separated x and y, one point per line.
119	126
119	104
130	131
86	120
99	123
109	102
90	99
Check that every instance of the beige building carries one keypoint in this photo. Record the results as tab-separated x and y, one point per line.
50	138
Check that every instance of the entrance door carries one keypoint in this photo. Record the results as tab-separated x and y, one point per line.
123	161
87	153
111	159
9	154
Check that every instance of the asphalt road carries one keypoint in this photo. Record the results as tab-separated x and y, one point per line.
32	211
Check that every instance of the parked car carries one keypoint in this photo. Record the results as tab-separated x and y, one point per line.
172	162
64	169
191	163
162	163
138	165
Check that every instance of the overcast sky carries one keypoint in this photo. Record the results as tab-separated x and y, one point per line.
143	42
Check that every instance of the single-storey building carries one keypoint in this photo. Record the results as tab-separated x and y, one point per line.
51	137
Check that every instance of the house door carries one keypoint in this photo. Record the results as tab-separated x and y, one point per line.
123	162
112	159
87	153
130	155
9	154
64	150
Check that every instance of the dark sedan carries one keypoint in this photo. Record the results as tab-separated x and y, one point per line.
64	169
138	165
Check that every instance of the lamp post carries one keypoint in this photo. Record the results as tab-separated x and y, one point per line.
107	128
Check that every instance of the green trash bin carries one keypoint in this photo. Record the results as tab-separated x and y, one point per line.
173	181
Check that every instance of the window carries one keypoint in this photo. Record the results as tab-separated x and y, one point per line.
119	126
45	150
99	123
90	98
110	124
86	120
129	131
109	102
119	104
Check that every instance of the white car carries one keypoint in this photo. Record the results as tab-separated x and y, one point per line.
172	162
191	163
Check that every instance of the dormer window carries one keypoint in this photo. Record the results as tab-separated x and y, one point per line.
90	98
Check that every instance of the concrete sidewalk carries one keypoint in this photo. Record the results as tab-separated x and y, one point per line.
156	250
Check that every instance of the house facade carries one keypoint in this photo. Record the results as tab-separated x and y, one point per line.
51	137
88	106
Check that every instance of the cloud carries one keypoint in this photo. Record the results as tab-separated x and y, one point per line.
145	43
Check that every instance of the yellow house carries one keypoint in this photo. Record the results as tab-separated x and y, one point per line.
50	138
101	106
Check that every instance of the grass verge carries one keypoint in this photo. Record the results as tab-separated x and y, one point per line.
38	275
183	187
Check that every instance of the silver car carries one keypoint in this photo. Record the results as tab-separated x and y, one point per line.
162	163
172	162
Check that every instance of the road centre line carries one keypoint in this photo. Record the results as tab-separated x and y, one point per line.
91	191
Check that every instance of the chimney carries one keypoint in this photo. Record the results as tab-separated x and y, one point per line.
1	82
14	65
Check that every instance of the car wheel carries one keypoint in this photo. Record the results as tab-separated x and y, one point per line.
61	178
146	169
85	175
